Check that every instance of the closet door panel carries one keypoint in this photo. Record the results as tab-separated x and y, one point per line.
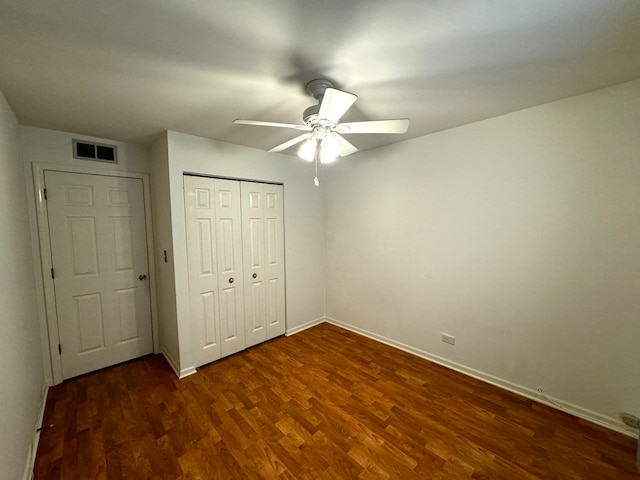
254	253
255	318
263	228
228	213
199	198
274	265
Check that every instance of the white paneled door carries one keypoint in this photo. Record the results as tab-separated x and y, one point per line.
214	250
100	269
235	250
263	249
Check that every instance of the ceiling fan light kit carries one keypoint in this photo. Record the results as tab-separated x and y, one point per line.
323	144
308	150
324	141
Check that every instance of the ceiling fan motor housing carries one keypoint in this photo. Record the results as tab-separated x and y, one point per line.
316	87
310	115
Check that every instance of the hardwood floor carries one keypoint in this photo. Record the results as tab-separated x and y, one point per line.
323	404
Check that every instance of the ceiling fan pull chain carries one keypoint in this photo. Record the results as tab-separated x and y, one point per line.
315	179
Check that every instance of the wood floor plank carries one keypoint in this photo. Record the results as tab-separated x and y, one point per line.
325	403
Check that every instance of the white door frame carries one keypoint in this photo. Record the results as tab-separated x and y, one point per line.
44	244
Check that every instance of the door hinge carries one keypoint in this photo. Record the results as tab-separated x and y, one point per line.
45	193
52	273
60	349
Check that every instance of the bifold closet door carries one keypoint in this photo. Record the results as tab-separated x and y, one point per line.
263	256
214	250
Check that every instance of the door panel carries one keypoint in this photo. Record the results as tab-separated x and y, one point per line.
214	249
256	317
229	254
202	264
274	274
262	218
229	320
253	245
204	247
127	312
89	325
255	240
84	245
98	248
122	229
273	294
272	241
208	318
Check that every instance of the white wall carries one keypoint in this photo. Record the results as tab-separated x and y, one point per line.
303	214
163	241
39	145
519	235
21	370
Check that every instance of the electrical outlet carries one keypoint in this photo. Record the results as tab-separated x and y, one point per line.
630	420
450	339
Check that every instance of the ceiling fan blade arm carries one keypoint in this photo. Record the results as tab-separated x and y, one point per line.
289	143
334	105
346	148
260	123
400	125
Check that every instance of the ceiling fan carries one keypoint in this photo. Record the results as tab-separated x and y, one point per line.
323	138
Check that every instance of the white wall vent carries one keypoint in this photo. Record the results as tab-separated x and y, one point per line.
99	152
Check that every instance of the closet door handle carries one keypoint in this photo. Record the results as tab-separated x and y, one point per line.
255	275
231	280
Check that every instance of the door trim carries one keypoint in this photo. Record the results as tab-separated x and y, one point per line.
50	320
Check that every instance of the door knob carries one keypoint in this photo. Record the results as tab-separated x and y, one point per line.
231	280
255	275
142	277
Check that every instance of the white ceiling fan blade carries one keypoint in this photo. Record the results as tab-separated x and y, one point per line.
334	104
345	147
289	143
400	125
272	124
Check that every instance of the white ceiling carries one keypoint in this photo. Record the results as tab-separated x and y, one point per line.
128	70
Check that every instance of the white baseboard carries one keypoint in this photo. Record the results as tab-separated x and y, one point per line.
575	410
304	326
185	372
33	446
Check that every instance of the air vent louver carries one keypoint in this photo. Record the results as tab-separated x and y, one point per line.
94	151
